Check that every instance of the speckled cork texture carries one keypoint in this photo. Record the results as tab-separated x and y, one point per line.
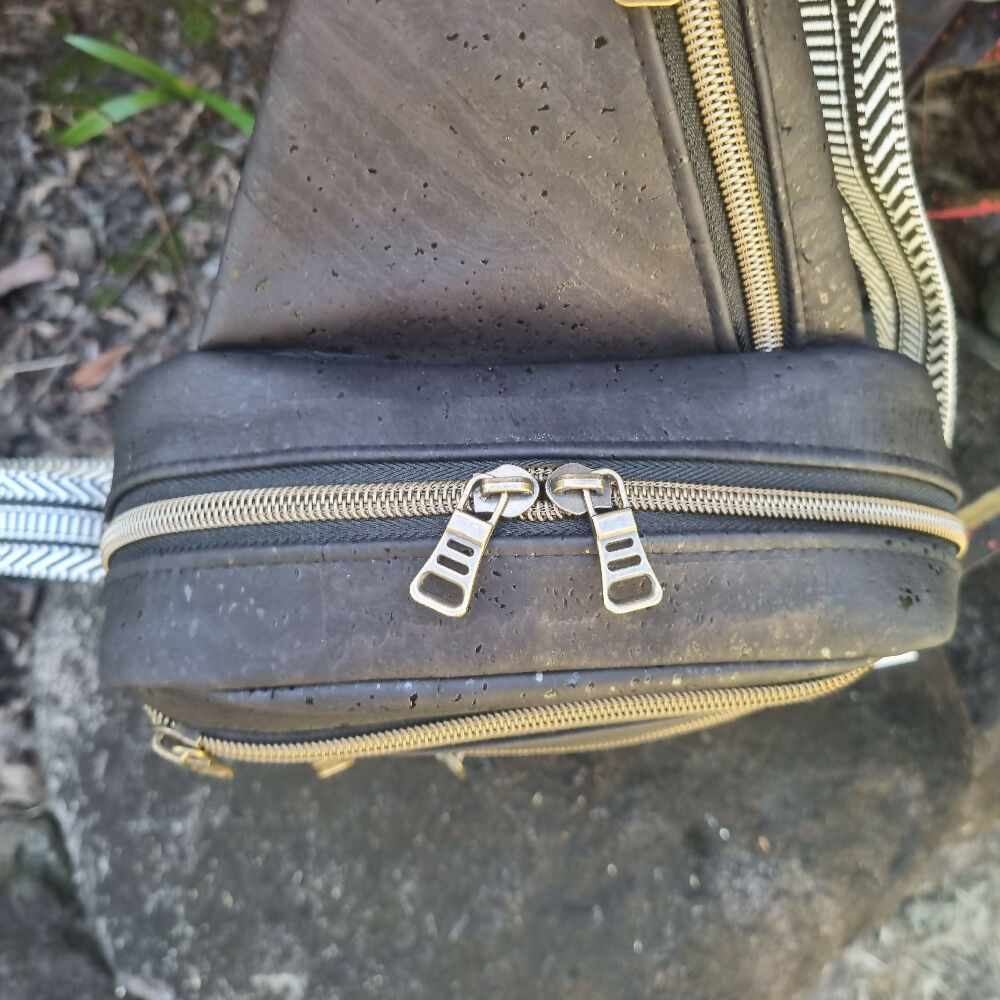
473	182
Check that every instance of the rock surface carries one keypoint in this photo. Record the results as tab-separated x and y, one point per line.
730	864
975	649
941	941
45	949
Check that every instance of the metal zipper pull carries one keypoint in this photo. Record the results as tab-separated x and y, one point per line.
507	491
173	745
327	767
625	568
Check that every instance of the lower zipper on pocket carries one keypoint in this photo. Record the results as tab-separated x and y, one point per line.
213	756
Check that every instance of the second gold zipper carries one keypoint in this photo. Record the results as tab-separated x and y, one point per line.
709	62
213	755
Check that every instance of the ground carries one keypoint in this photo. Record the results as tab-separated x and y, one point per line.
134	224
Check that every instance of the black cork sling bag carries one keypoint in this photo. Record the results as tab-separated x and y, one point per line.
540	406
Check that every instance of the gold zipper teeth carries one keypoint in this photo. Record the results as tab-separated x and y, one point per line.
463	733
373	501
797	505
679	728
704	37
280	505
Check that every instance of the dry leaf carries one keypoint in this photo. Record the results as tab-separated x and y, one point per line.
92	373
20	785
27	271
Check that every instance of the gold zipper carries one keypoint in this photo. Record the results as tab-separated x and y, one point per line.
212	755
704	38
374	501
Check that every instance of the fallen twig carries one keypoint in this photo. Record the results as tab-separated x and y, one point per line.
170	241
37	365
26	271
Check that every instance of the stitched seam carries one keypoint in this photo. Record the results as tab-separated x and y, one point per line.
546	446
779	175
673	171
682	209
943	559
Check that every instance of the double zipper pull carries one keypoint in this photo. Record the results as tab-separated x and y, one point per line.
628	581
446	581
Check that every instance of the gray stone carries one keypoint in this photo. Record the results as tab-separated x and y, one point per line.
78	247
729	864
941	942
45	949
973	650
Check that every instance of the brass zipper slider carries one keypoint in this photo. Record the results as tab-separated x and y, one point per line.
628	581
507	491
173	745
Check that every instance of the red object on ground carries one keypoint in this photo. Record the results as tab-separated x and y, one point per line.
975	210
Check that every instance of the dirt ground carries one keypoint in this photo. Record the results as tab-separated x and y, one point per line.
134	225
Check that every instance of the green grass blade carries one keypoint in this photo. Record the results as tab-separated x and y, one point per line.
121	58
97	122
233	114
94	123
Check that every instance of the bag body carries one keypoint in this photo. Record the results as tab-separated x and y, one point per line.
536	409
